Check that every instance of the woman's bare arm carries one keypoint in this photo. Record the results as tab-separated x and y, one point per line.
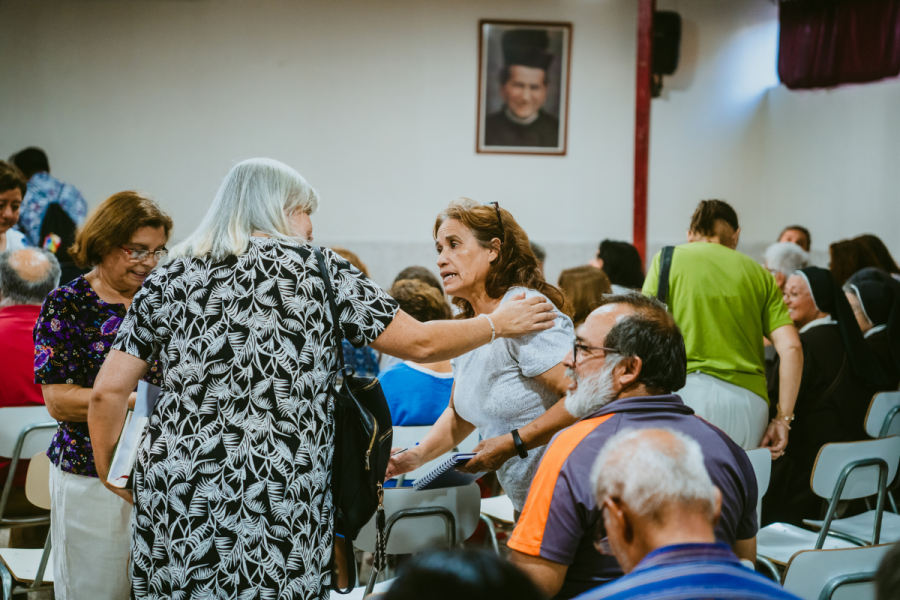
433	341
119	375
495	451
67	401
449	430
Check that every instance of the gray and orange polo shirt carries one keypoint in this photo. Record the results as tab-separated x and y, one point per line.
560	516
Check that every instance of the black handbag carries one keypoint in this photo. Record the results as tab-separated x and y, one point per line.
362	447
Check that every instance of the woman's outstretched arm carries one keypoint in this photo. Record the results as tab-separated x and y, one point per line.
409	339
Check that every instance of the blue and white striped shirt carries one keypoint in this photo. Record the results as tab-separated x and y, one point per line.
689	571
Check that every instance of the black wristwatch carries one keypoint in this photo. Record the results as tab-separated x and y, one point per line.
520	447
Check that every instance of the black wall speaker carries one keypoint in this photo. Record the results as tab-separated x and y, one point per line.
666	42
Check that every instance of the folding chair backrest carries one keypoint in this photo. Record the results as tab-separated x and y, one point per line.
415	534
862	481
37	482
883	418
16	418
845	573
761	459
408	437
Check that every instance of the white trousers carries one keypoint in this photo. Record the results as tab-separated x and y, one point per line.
90	529
738	412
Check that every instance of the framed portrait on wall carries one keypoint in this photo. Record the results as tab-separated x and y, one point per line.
523	87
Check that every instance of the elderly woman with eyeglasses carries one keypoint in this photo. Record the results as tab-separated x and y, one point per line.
510	389
123	240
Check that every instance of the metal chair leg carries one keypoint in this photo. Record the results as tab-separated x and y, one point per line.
7	582
769	568
492	534
45	558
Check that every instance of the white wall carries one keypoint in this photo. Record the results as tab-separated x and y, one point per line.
375	103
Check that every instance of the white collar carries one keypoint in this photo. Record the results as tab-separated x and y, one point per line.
875	330
519	120
815	323
422	369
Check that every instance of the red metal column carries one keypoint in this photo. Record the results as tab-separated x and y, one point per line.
646	9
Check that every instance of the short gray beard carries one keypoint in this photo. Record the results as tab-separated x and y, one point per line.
594	391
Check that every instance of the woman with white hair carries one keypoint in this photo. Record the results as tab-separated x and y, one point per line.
784	258
231	490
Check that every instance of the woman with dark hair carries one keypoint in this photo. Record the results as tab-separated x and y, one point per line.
232	494
622	264
852	255
122	242
840	374
874	297
13	186
726	303
509	391
418	393
886	262
461	574
584	287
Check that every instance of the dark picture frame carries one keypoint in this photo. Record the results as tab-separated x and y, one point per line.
523	87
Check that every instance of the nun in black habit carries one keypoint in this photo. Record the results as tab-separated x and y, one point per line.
875	298
840	376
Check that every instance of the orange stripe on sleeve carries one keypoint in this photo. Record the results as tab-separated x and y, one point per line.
529	532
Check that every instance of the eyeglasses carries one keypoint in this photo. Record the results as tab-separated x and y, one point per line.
585	348
496	206
137	256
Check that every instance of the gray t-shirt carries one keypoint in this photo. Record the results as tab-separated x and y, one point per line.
496	391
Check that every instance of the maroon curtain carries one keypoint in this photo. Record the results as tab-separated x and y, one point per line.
824	43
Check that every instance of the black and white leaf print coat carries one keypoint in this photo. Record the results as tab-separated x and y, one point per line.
232	494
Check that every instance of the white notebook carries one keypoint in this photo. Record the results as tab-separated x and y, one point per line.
136	421
445	474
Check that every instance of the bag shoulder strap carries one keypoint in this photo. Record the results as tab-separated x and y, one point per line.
665	264
332	303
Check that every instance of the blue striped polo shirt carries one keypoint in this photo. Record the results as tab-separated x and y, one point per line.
688	571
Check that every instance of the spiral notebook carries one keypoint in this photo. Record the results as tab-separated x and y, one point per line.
445	475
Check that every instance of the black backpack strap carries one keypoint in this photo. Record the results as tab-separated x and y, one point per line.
665	265
332	303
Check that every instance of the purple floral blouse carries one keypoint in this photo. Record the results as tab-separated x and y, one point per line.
72	337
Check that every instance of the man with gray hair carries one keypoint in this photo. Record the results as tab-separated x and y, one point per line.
783	258
628	360
27	275
658	508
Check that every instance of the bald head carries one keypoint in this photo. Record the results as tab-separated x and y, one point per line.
27	276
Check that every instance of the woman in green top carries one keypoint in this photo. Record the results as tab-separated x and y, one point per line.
725	303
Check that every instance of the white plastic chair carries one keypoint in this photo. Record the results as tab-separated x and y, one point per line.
24	431
883	417
843	471
30	567
498	508
409	436
761	459
834	574
416	521
882	420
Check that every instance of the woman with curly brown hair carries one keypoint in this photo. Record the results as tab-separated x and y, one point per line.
509	389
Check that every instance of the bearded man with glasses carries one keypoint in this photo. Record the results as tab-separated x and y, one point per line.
627	361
